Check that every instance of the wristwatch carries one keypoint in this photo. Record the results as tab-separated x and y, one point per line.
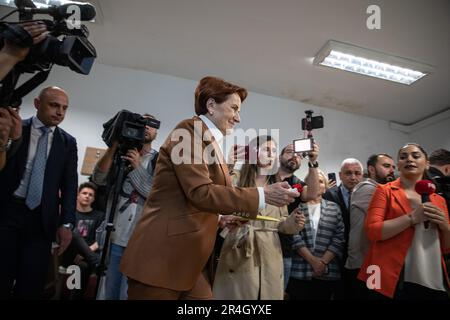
313	165
68	226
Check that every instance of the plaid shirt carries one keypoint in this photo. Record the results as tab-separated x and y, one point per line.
330	236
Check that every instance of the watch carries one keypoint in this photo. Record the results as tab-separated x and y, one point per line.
68	226
313	165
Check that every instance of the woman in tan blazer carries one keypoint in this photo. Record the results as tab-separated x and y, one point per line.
167	255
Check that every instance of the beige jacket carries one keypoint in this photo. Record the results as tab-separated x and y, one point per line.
251	262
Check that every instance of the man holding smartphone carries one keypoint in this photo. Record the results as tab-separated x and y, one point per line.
290	161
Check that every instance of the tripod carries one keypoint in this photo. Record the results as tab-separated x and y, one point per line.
121	166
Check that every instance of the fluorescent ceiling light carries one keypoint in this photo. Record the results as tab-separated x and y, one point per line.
371	63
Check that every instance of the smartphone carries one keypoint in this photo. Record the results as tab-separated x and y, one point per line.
316	123
303	145
246	152
332	176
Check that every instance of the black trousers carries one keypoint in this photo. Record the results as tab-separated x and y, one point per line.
313	289
79	246
412	291
355	289
25	252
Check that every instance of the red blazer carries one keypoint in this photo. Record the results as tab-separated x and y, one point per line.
175	235
389	202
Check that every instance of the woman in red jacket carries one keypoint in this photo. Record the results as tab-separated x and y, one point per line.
405	260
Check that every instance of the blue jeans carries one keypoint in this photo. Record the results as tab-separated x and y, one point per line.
116	284
287	263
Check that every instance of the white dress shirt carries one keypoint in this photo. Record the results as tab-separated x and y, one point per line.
218	136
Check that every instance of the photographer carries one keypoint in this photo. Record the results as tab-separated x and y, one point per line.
11	54
134	191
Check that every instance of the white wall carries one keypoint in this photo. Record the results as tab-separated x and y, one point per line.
97	97
433	137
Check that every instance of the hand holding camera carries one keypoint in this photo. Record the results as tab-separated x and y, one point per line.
32	33
307	146
314	153
238	153
134	158
5	127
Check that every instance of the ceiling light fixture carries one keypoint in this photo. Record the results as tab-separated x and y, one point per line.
371	63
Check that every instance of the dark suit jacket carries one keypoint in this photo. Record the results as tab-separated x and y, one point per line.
175	235
60	182
335	195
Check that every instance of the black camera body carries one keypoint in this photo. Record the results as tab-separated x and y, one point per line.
128	129
309	122
73	51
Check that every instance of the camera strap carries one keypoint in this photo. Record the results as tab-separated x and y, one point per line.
27	87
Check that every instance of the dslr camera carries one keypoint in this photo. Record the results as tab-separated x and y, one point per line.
66	45
128	129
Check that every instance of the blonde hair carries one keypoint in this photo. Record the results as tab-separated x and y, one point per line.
324	176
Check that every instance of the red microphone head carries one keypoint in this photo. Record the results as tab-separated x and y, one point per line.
425	187
298	186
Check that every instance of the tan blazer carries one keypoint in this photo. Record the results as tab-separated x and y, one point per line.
175	235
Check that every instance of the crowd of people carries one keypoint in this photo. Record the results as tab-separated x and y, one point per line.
189	225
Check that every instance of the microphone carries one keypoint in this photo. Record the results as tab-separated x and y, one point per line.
425	188
87	10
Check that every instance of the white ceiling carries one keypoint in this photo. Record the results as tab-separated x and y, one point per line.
267	46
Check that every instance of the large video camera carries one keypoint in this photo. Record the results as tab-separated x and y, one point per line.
65	45
308	124
128	129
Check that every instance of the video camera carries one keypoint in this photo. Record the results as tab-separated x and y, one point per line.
308	124
128	129
65	45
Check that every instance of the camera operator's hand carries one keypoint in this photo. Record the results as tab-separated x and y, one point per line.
314	154
11	54
5	126
16	128
36	29
133	157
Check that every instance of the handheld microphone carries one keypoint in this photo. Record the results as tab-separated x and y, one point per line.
425	188
87	10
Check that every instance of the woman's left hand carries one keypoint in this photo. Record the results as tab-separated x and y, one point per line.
436	215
